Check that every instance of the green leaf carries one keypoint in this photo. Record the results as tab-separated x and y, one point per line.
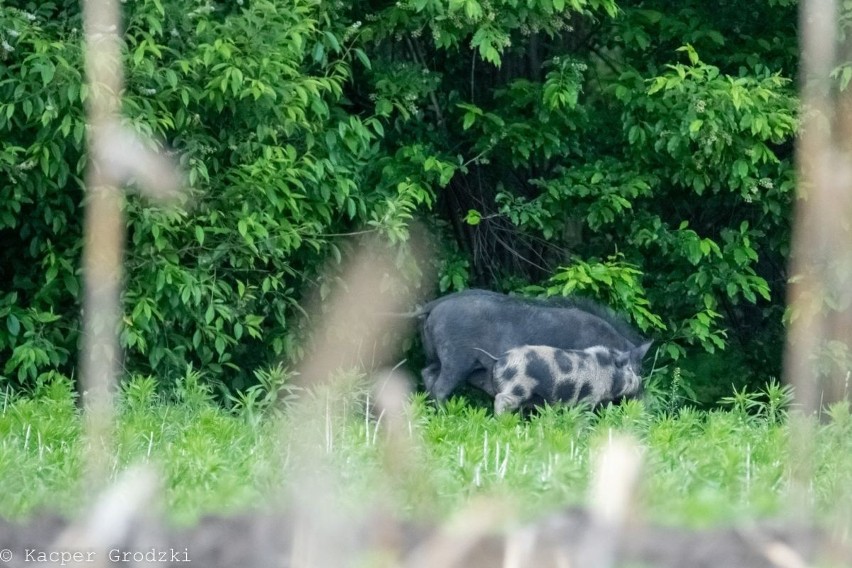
383	107
332	41
47	72
469	119
472	10
319	52
72	284
362	57
13	325
473	217
690	52
658	84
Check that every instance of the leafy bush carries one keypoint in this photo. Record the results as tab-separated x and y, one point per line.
639	154
252	101
601	155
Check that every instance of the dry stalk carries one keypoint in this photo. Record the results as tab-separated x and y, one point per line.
350	330
116	156
820	289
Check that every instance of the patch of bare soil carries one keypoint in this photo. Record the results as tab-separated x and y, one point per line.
571	538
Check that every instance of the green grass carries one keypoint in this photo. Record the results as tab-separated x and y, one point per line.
700	467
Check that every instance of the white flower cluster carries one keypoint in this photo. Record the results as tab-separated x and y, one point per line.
556	24
752	192
149	92
351	30
408	100
7	47
560	25
202	10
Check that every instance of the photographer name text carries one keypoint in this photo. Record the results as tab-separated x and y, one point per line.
69	557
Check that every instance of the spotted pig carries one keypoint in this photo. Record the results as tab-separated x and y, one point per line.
534	374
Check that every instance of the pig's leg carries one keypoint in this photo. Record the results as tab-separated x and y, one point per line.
453	372
430	375
483	379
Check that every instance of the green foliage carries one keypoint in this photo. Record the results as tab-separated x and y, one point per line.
699	467
672	395
639	154
771	402
42	128
252	101
648	165
139	392
615	280
273	393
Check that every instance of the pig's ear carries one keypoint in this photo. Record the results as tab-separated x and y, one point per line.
638	353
